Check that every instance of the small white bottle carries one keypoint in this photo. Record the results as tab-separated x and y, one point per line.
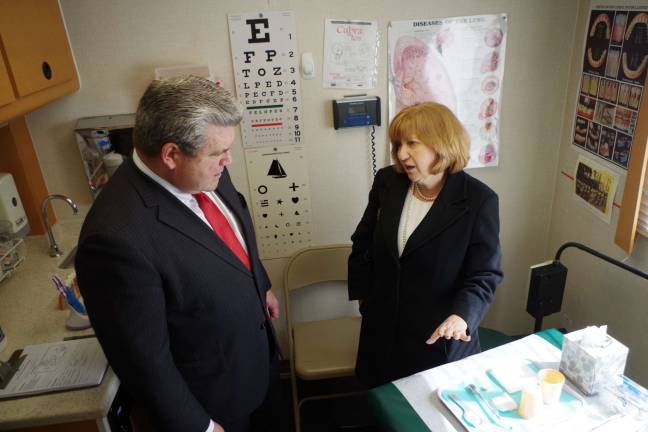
530	402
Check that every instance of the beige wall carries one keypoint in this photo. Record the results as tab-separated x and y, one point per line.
117	45
597	292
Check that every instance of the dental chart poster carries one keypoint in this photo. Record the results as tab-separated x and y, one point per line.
595	186
266	72
612	83
350	54
458	62
280	199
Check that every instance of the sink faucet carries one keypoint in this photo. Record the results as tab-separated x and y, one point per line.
54	250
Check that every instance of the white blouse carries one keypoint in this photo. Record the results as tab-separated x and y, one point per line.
414	210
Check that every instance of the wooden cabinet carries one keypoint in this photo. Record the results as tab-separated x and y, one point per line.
6	91
38	66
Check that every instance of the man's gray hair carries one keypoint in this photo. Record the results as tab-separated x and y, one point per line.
179	110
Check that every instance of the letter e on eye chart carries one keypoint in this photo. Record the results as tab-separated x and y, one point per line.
266	71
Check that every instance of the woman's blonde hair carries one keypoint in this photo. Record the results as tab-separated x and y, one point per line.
436	127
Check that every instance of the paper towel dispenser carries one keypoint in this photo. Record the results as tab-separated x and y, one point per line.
13	220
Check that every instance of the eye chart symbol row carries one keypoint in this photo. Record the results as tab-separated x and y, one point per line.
277	171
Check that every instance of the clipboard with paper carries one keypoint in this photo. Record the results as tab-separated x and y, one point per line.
57	366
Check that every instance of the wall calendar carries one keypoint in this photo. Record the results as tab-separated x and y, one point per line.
266	71
280	199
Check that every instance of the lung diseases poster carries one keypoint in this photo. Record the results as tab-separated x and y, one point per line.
280	199
266	71
458	62
612	83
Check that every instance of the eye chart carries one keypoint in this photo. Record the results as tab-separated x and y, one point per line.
266	70
280	199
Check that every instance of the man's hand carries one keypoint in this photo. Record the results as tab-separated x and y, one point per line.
273	305
453	327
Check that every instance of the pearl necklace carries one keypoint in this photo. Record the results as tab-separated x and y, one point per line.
418	193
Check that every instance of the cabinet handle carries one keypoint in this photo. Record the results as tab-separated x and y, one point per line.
47	70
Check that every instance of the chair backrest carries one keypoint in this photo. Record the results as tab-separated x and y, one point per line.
312	266
316	264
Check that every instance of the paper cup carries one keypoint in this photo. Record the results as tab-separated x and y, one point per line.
77	321
112	162
551	382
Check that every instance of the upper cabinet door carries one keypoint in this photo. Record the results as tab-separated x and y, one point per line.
6	91
35	44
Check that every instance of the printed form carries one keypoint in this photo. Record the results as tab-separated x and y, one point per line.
58	366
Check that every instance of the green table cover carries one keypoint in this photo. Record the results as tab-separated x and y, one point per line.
394	413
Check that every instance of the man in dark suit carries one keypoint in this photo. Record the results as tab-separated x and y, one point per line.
168	267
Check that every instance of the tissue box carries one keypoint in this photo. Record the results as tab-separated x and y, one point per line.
592	367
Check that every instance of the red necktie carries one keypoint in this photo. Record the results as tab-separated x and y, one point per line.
221	226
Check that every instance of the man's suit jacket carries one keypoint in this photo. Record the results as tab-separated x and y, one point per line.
450	265
181	320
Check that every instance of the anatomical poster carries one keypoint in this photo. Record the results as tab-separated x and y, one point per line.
612	83
280	199
266	71
458	62
350	54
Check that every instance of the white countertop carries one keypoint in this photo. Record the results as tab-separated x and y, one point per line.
29	314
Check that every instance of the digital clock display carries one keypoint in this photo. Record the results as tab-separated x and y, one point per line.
357	109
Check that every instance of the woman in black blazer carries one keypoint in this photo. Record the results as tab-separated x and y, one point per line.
426	254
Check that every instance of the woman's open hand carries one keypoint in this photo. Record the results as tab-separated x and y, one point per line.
453	327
